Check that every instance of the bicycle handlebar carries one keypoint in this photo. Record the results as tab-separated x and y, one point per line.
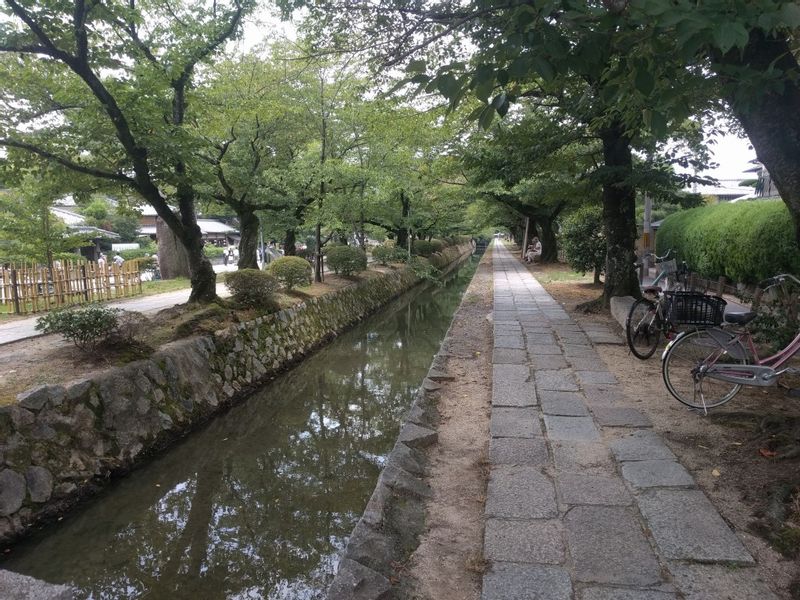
778	279
656	257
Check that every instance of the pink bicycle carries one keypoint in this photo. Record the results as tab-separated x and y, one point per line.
707	367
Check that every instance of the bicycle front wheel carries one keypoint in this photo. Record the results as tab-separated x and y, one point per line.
684	366
643	328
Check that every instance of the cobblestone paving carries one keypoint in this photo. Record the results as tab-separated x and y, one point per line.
584	501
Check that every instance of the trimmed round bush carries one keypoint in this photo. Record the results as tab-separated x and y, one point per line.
383	254
745	242
291	271
437	245
86	327
252	288
583	240
346	260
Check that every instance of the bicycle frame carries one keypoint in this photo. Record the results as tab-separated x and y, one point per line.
762	373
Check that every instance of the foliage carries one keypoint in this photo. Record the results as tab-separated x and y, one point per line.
212	251
423	269
422	248
383	254
86	327
252	288
346	259
746	242
291	271
583	240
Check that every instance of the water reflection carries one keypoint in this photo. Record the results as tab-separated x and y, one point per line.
259	503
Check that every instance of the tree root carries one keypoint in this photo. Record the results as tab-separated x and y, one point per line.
592	306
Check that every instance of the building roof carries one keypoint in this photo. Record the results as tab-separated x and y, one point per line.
207	226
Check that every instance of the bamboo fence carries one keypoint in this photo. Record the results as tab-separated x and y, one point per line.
30	288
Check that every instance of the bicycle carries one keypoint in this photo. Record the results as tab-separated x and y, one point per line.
706	368
649	317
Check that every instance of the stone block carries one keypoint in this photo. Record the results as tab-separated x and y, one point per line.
417	436
686	526
36	398
514	394
582	457
510	374
539	541
544	349
579	351
566	404
509	341
578	488
354	581
509	356
549	361
602	377
608	546
656	473
607	416
406	458
557	380
15	586
518	451
620	307
641	445
537	339
12	492
520	492
576	429
404	483
515	422
40	483
508	581
710	582
604	593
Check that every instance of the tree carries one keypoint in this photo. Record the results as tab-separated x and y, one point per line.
28	228
103	90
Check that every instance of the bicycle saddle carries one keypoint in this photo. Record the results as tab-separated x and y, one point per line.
740	318
651	289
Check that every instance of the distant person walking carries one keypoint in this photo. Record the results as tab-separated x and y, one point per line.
118	260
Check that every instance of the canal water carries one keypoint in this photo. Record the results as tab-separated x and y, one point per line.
259	503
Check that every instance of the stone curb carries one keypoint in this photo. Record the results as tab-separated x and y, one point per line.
380	540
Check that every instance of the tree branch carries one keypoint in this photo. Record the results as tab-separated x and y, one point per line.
73	166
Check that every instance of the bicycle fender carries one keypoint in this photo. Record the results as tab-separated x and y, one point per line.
724	338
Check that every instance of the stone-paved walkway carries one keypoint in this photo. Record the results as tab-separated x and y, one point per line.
585	501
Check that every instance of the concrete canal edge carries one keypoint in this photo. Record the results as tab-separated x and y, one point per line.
61	443
394	518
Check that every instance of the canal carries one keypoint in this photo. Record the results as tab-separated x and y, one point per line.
260	502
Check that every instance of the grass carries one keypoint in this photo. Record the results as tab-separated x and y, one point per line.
151	288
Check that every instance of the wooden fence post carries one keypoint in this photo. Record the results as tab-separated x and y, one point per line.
14	291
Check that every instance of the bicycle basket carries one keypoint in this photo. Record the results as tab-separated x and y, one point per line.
694	308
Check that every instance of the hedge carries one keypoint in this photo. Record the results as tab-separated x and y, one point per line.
746	242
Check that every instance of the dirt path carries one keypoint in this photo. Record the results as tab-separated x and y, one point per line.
448	562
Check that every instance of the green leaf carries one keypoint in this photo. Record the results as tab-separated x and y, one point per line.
520	67
476	113
416	66
447	85
502	110
658	125
728	35
499	100
644	81
790	15
486	118
483	90
544	68
502	77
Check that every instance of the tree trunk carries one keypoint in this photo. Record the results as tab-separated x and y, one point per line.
248	245
548	239
202	275
597	276
290	243
619	220
173	260
402	231
770	118
318	253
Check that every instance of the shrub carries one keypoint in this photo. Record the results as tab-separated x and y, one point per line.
85	327
252	288
212	251
583	241
399	254
291	271
383	254
422	248
423	269
746	242
437	245
347	260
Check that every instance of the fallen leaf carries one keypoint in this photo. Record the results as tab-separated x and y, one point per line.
703	447
767	453
737	443
715	473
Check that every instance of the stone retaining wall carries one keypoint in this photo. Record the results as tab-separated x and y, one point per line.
62	442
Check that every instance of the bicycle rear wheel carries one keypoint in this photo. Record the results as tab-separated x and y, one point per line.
683	364
643	328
